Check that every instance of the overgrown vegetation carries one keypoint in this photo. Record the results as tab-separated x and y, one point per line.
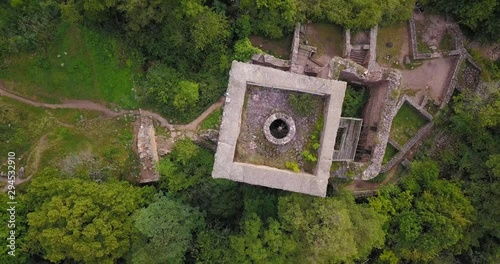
212	121
176	55
293	166
406	124
447	42
480	17
390	152
390	42
490	70
79	63
67	140
310	152
303	103
355	99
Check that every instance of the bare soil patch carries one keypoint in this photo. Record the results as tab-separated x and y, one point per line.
361	38
329	39
432	33
278	48
372	111
431	78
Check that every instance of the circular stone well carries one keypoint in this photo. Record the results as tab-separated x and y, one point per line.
279	128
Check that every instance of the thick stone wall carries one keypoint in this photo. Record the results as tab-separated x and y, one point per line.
295	48
347	45
373	47
414	140
351	71
147	150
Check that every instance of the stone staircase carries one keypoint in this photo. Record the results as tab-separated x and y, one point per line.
359	56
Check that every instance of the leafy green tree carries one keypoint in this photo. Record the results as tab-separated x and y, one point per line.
481	16
427	215
354	101
18	225
333	230
220	199
185	167
80	220
167	227
243	27
186	96
243	50
212	246
469	158
209	29
257	244
272	18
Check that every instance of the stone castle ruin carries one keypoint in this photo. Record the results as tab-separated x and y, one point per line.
360	141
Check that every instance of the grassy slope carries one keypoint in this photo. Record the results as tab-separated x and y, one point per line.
390	36
212	121
390	152
69	133
406	123
328	37
92	69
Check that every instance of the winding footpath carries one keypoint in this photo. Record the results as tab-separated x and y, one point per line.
89	105
92	106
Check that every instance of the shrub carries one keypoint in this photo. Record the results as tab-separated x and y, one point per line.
354	101
308	156
243	50
292	165
302	103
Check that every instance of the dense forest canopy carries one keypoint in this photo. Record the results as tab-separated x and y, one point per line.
445	210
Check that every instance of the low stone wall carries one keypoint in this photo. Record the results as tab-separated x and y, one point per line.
418	107
453	83
413	42
295	48
395	145
373	47
431	55
347	46
422	132
414	140
147	150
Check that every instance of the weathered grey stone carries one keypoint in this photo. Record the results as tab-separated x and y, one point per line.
241	75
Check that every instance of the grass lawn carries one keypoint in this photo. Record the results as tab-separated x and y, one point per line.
447	43
74	140
328	38
279	48
390	152
406	123
212	121
390	41
80	64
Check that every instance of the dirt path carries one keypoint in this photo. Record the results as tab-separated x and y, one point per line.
32	167
359	185
67	104
197	122
89	105
35	155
